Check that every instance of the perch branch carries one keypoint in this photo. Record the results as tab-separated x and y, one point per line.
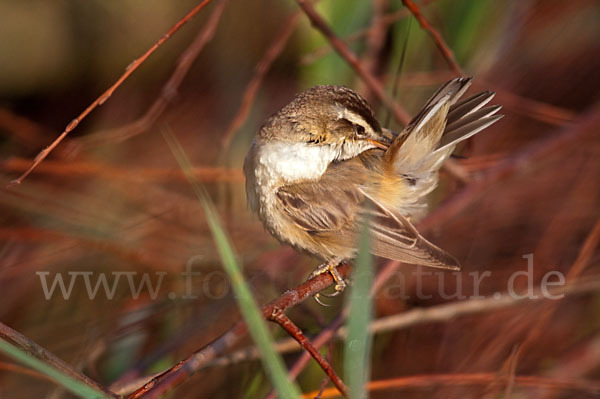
184	369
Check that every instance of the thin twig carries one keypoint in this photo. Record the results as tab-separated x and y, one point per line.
327	334
437	38
260	71
198	360
106	95
342	49
288	325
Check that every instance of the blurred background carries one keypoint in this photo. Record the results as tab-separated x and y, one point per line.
111	198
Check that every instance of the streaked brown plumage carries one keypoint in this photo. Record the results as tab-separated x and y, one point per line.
320	165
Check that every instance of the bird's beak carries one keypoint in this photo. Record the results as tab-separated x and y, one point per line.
378	144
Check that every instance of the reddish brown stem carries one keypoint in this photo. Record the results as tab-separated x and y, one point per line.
288	325
184	369
437	38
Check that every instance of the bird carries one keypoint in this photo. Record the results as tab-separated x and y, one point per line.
323	166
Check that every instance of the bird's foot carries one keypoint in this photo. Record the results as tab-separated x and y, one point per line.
331	268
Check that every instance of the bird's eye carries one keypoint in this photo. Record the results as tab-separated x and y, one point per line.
360	130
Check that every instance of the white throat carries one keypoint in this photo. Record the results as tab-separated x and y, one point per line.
280	162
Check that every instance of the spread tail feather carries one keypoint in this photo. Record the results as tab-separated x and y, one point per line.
429	139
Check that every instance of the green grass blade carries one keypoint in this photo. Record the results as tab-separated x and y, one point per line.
67	382
357	354
271	360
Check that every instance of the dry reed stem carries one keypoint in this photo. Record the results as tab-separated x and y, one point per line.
106	95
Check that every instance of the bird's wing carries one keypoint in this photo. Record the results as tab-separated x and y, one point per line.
335	207
329	204
394	237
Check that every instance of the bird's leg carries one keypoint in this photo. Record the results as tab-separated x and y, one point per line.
330	267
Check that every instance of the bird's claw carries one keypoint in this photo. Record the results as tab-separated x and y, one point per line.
340	284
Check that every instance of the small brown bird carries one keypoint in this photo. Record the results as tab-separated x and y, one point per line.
323	163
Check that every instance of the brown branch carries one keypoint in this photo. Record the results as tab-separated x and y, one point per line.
327	334
49	358
342	49
260	71
288	325
169	90
437	38
106	95
199	359
429	380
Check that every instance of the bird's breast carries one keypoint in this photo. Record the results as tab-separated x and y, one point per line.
273	164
